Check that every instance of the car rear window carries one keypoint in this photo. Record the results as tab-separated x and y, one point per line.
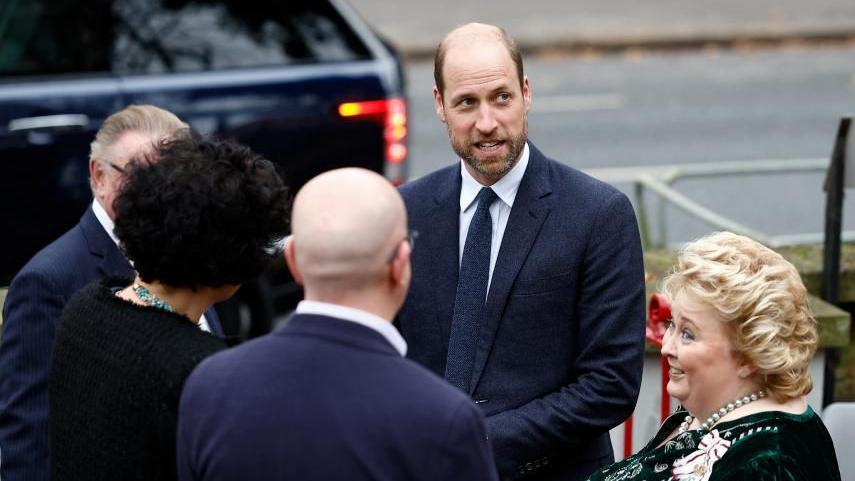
39	37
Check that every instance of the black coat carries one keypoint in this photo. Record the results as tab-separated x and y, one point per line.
116	377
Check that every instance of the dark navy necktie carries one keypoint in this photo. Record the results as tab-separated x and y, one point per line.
471	293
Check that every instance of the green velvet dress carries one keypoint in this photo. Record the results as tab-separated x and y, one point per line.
770	445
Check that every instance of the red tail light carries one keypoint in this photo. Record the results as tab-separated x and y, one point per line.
392	113
362	109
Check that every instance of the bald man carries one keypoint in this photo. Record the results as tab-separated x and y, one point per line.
329	395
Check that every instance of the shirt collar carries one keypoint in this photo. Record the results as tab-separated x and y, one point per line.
365	318
105	220
506	188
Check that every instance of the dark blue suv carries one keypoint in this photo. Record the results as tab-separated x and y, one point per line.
306	83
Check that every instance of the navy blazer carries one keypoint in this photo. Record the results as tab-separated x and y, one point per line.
325	399
33	306
559	352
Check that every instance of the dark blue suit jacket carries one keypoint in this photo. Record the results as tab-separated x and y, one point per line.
324	399
33	306
559	352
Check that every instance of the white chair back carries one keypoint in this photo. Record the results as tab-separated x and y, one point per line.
839	418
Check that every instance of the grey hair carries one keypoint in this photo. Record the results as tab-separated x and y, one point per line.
146	119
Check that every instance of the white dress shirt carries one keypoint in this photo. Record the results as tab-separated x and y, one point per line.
108	225
365	318
105	221
506	189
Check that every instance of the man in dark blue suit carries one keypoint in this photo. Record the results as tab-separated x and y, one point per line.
528	289
329	395
38	293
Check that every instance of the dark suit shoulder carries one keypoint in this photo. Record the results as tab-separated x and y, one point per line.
426	185
588	195
411	381
60	263
418	191
570	178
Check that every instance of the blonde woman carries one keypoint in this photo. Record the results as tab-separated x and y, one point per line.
738	347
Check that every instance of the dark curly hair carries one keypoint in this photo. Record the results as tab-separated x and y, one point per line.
205	213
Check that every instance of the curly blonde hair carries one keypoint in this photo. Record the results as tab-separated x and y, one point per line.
760	295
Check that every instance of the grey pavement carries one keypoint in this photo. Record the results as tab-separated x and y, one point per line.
416	26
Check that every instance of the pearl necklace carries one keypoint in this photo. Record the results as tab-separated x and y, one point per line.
146	296
712	420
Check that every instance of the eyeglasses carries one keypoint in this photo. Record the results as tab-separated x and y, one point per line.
411	237
115	167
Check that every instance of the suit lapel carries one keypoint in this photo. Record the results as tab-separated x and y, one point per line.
110	260
444	243
114	263
531	207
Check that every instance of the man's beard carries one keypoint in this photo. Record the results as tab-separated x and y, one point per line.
496	169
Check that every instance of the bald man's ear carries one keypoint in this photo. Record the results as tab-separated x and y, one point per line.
291	260
437	103
400	265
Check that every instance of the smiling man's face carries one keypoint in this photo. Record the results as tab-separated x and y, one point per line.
484	106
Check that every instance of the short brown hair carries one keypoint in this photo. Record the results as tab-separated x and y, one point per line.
762	299
509	43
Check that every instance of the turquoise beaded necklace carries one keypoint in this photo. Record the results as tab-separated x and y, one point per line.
150	299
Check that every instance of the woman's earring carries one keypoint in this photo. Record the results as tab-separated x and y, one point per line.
742	373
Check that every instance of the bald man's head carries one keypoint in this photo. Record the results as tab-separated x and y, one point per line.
467	35
345	225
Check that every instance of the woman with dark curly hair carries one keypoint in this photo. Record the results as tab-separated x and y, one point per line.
197	220
739	347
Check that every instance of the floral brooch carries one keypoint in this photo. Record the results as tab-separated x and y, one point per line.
697	466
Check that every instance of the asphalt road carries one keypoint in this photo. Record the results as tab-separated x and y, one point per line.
416	26
638	109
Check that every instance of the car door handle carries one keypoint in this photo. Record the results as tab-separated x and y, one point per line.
61	121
